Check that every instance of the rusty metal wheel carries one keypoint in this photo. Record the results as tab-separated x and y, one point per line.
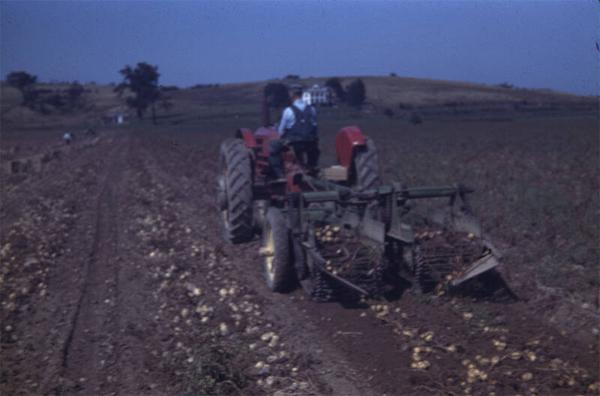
276	252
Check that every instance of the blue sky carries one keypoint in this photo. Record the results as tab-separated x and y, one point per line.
538	44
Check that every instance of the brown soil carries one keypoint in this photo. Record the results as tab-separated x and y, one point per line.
115	280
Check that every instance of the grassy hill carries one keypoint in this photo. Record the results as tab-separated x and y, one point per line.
399	97
400	93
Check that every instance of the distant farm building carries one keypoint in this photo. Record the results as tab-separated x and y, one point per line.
116	115
317	95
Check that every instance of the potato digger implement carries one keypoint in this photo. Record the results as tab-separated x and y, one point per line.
340	232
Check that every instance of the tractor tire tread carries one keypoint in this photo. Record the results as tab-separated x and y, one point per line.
239	190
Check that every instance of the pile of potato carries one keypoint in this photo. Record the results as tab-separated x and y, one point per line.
339	247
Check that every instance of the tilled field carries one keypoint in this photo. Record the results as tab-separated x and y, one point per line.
115	280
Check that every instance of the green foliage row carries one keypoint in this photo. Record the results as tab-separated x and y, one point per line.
46	100
355	93
277	94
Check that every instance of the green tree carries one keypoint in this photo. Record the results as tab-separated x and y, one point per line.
22	81
356	93
277	95
142	81
336	86
74	95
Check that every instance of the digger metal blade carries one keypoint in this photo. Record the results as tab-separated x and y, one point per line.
347	283
373	229
321	267
480	266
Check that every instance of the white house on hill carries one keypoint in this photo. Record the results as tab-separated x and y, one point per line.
317	95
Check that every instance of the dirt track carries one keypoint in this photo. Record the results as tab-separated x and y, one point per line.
116	281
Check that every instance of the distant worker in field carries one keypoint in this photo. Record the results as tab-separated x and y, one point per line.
67	137
298	129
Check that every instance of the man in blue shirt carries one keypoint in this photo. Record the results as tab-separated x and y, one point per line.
298	129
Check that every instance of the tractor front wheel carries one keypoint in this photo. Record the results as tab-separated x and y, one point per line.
276	252
234	191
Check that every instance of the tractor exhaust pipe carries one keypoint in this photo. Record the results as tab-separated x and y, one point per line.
266	112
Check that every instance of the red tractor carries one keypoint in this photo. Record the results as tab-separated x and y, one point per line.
343	230
245	186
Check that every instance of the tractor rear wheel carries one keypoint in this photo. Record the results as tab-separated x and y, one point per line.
276	252
366	167
235	191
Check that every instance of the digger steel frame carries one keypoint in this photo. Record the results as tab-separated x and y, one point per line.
378	216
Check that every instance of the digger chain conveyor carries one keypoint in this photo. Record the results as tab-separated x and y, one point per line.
349	264
443	257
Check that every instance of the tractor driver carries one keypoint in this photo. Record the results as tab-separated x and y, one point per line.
298	129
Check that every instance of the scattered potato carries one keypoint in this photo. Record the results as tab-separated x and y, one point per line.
531	356
500	345
527	376
516	355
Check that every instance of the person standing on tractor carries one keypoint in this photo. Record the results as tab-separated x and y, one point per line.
297	129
